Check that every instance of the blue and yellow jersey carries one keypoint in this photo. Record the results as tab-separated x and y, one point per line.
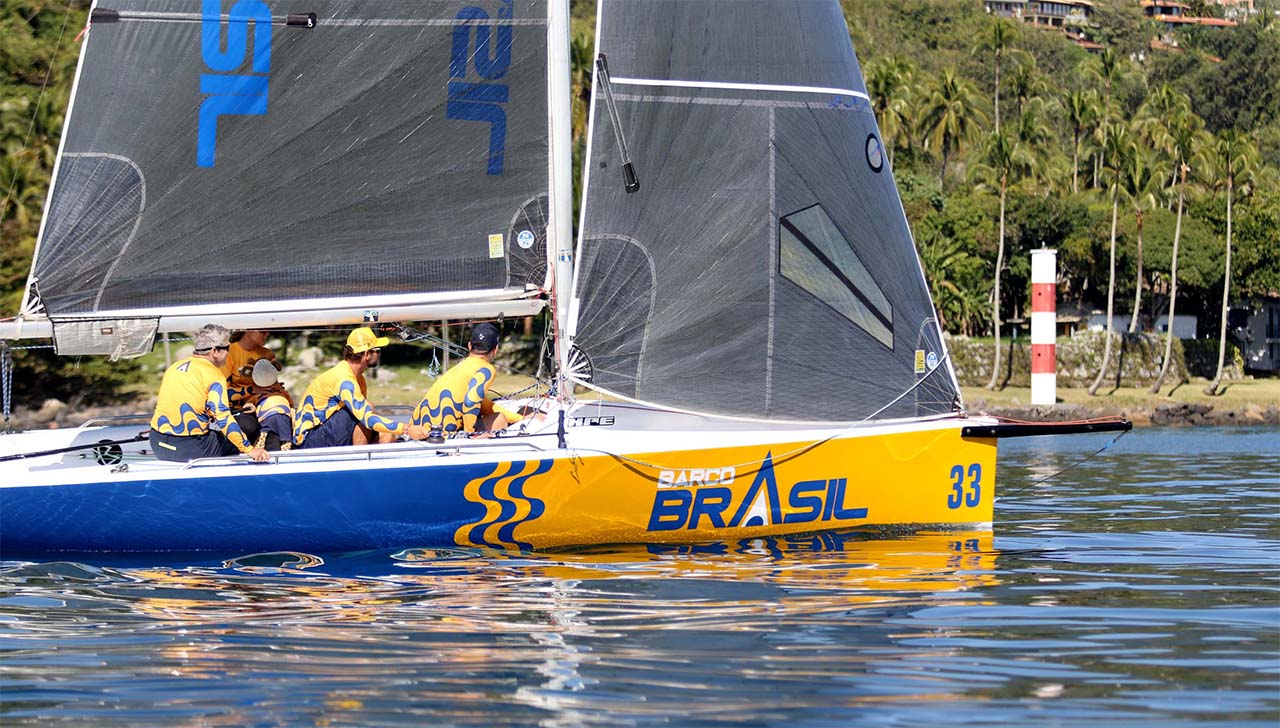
337	388
193	400
238	369
274	404
459	398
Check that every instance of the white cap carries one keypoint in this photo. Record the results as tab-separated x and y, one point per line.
264	373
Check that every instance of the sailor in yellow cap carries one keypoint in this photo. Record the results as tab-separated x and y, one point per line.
334	411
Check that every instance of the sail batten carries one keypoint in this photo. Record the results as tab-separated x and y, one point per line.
764	270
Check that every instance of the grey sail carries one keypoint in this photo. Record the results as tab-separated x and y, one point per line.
764	267
297	150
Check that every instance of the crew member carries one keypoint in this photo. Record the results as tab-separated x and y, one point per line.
334	410
193	418
459	400
246	350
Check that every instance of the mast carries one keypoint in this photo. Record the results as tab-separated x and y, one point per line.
560	226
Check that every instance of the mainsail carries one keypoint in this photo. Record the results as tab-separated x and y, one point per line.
764	267
229	157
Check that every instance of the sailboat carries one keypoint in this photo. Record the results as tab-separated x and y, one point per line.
743	295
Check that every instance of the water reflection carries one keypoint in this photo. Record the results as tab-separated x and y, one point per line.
1142	587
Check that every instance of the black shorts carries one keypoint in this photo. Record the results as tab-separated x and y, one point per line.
185	448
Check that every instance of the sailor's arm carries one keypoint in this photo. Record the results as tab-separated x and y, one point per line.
366	416
216	404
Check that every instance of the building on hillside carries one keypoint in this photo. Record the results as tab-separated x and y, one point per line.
1174	14
1043	13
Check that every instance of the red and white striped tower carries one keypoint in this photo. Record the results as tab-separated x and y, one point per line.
1044	314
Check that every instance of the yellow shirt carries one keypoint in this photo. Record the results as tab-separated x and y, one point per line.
331	391
193	399
459	398
238	369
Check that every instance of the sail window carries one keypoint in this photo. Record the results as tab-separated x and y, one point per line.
814	255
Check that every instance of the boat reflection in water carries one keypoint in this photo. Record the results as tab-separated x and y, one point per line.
473	633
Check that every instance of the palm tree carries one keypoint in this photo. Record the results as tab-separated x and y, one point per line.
1233	156
1182	138
1026	82
1118	147
1082	110
1004	159
952	115
888	81
1141	186
999	41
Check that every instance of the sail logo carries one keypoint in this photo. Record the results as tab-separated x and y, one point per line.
713	503
475	93
506	505
226	50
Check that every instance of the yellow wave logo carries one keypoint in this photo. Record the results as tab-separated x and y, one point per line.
501	492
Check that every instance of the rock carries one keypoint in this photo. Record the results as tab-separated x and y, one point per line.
310	357
50	409
1139	418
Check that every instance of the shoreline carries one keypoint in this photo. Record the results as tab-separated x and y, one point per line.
1186	406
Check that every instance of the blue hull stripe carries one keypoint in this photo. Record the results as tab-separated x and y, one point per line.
313	512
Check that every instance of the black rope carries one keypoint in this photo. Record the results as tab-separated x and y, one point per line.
1067	469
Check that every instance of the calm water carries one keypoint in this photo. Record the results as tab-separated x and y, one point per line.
1138	587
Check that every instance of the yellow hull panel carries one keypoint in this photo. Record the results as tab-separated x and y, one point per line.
923	477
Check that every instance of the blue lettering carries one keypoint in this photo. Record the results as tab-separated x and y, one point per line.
799	501
237	39
481	102
764	478
957	487
670	510
974	496
841	512
491	60
231	94
710	502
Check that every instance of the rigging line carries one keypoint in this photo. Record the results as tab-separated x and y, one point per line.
1069	468
26	142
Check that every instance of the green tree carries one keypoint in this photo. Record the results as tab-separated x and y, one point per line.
1004	159
1118	149
1231	160
889	83
1179	132
1141	186
1082	110
952	115
998	41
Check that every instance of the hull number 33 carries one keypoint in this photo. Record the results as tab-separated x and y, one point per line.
966	486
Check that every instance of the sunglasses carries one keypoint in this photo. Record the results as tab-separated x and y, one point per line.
222	348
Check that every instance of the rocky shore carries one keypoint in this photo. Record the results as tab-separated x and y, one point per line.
1172	414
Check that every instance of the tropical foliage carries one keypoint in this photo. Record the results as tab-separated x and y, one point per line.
1003	138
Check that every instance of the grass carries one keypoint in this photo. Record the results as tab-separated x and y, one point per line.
1262	392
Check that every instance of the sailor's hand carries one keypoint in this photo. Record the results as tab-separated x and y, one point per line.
258	455
416	432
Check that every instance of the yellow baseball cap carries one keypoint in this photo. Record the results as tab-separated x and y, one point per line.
363	339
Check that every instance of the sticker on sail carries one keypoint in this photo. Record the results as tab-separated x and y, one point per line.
525	239
495	245
931	361
875	153
920	361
